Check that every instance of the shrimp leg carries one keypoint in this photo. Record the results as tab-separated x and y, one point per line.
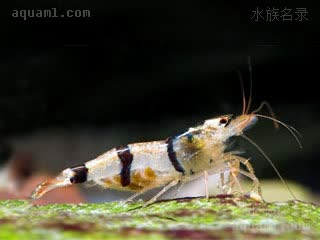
166	188
234	163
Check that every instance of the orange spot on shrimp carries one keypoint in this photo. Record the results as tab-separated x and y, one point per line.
149	173
142	179
135	187
107	182
117	179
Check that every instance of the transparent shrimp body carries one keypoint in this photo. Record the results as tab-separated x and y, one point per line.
139	167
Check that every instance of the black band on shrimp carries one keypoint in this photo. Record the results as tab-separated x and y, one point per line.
126	159
80	174
173	156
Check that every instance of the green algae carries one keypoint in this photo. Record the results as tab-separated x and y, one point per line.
218	217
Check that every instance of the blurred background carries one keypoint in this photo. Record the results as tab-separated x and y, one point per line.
72	88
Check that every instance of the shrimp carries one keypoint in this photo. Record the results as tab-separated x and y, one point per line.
200	151
139	167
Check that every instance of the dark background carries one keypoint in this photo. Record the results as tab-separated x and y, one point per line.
163	66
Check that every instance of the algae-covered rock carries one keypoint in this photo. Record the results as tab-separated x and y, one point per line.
223	216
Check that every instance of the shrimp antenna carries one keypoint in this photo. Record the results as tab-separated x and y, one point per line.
272	165
250	93
291	129
243	93
265	103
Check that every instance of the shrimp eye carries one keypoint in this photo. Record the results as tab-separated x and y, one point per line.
223	121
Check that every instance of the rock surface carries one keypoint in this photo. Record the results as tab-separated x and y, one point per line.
223	216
